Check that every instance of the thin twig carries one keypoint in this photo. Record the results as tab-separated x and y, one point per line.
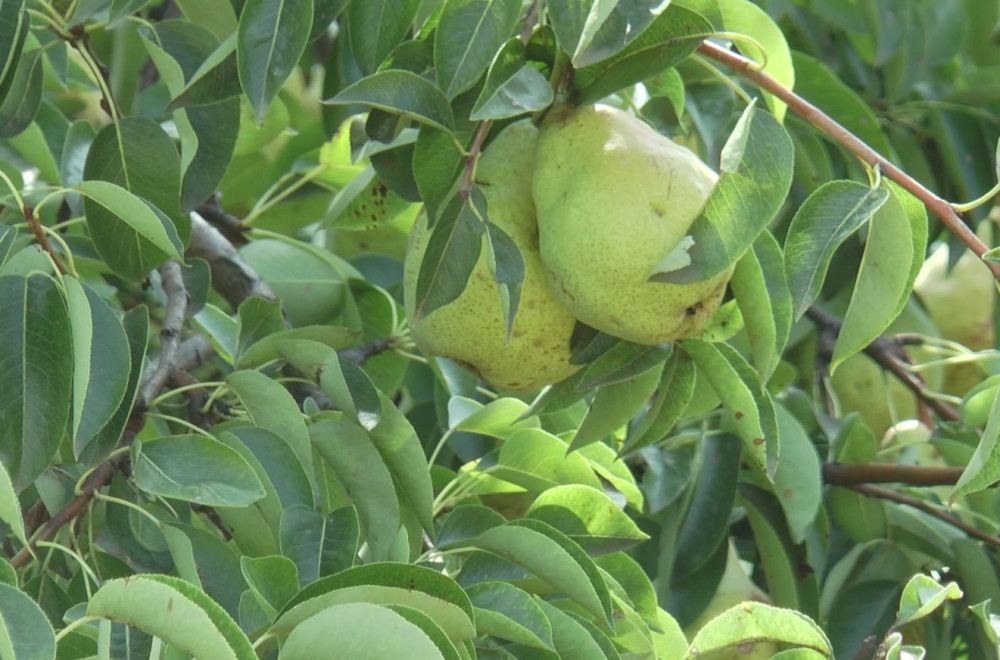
837	474
939	206
893	496
891	357
43	240
470	161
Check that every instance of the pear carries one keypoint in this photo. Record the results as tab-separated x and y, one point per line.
472	329
960	302
735	587
860	384
613	198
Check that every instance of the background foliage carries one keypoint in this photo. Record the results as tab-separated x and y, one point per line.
218	441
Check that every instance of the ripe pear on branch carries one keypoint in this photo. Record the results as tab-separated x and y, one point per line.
472	329
614	198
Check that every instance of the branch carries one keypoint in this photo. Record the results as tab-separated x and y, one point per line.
892	496
940	207
837	474
890	356
232	277
470	160
170	332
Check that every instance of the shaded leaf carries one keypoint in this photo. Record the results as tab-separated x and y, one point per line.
402	92
468	34
26	631
24	95
270	39
376	27
512	87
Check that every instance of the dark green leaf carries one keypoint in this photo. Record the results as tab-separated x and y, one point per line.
271	37
507	266
320	545
24	95
506	612
622	361
831	214
121	9
14	23
36	366
468	35
437	166
614	405
739	387
671	37
26	631
512	87
452	252
756	174
102	362
325	12
576	22
376	27
672	397
626	22
403	93
196	469
257	319
216	79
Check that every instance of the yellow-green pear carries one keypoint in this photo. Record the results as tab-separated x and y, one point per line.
735	587
613	198
472	329
860	383
960	302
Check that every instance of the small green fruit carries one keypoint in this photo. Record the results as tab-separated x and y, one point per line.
614	197
735	587
960	302
472	329
860	383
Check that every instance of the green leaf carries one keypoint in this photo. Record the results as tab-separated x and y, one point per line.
320	545
468	34
576	22
136	232
270	39
627	20
622	362
507	265
24	95
798	482
440	167
512	87
136	325
779	556
385	583
706	522
921	596
219	18
504	611
36	367
571	636
403	93
176	612
614	405
761	291
196	469
269	347
621	570
452	252
828	216
359	630
102	361
10	509
275	462
492	419
271	407
754	621
673	35
274	580
376	27
256	319
24	629
433	631
823	88
587	516
14	24
537	460
216	79
739	388
352	457
121	9
551	556
344	382
983	469
756	173
887	273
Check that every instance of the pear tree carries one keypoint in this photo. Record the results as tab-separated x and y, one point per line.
499	329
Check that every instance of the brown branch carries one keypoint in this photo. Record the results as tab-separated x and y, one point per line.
940	207
893	496
890	356
43	240
838	474
227	223
465	188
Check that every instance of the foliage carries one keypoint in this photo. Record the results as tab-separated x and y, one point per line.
218	440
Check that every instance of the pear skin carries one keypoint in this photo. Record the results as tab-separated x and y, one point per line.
472	329
613	198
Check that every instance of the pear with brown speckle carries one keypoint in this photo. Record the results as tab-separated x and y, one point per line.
614	198
472	330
